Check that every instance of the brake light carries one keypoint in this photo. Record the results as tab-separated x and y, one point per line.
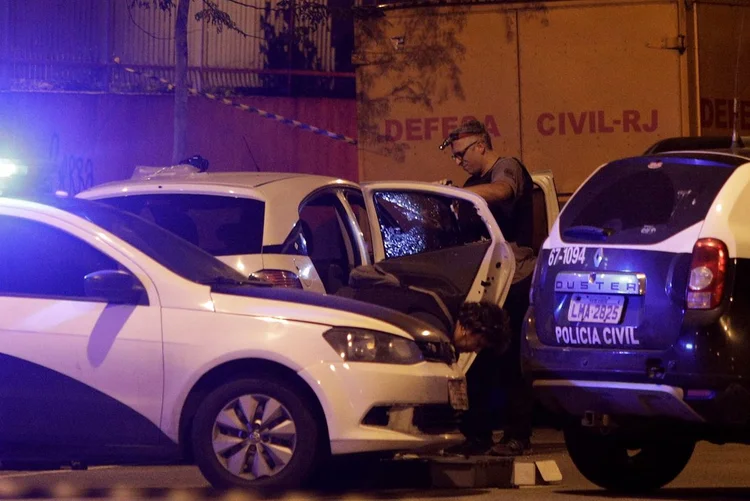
279	278
707	274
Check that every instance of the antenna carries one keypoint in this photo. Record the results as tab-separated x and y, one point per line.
735	134
257	168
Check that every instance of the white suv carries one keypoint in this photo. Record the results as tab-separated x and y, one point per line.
122	343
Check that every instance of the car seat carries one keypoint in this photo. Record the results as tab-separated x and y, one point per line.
372	284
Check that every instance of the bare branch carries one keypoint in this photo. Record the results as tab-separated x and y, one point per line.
160	4
213	15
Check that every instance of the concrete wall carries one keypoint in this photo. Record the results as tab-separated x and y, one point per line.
89	139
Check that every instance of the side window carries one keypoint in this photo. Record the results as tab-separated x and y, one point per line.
413	223
220	225
38	260
357	203
327	240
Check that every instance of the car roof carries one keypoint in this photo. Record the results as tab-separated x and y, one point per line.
718	144
256	180
42	201
282	192
728	156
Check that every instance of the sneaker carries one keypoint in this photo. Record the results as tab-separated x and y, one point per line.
471	447
511	447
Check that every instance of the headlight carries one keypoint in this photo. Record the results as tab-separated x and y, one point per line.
361	345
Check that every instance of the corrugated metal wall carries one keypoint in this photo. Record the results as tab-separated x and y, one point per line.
70	45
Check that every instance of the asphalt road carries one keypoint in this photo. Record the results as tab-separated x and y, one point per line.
715	473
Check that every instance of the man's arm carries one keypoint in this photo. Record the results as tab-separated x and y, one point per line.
507	176
494	192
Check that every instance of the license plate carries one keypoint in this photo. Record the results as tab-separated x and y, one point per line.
457	394
595	308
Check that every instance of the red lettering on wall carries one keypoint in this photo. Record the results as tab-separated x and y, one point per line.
545	130
449	123
720	107
491	126
718	113
603	127
431	128
630	119
707	112
430	125
654	122
599	122
393	130
413	129
577	124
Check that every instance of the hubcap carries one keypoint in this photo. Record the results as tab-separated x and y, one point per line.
254	436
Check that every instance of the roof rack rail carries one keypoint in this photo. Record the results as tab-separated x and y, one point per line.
695	143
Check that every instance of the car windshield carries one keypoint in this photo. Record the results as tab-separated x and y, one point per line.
643	200
171	251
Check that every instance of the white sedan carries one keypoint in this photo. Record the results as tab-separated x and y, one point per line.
311	232
123	343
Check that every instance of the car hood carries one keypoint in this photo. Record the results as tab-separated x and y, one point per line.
313	307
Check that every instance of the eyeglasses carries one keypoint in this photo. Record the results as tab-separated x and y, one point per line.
459	155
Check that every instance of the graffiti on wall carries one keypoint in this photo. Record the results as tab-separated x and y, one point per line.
69	172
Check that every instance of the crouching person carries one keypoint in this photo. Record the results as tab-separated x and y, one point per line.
482	328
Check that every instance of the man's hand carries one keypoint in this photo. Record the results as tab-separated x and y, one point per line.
445	182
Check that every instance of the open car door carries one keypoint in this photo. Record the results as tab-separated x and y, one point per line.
440	239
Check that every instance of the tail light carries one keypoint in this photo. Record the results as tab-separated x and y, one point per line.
279	278
707	274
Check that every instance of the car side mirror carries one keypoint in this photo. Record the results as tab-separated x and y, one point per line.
115	286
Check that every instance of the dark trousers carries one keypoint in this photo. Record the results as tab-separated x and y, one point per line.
491	374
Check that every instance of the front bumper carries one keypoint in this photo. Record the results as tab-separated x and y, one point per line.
381	407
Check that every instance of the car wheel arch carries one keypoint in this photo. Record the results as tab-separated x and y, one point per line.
236	369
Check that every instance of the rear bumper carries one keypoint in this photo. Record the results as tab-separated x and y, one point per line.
576	398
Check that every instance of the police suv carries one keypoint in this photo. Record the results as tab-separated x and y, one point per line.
639	326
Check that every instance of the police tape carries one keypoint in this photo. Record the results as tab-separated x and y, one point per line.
244	107
121	492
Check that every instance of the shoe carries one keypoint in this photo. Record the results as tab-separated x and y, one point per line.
471	447
511	447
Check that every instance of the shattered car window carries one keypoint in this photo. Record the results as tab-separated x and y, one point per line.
413	223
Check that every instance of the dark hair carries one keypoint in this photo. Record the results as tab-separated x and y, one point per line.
468	128
487	320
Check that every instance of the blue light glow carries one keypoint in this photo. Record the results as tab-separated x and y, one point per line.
8	168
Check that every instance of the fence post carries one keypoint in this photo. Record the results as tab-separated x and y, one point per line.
106	44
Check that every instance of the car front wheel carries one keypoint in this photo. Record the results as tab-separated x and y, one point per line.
256	433
613	462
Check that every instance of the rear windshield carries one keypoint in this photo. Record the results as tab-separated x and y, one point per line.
643	200
220	225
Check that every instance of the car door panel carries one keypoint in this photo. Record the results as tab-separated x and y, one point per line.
487	278
491	280
80	375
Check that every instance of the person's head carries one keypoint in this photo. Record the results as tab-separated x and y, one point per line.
481	325
471	147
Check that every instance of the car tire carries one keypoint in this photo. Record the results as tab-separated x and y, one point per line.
257	434
608	461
